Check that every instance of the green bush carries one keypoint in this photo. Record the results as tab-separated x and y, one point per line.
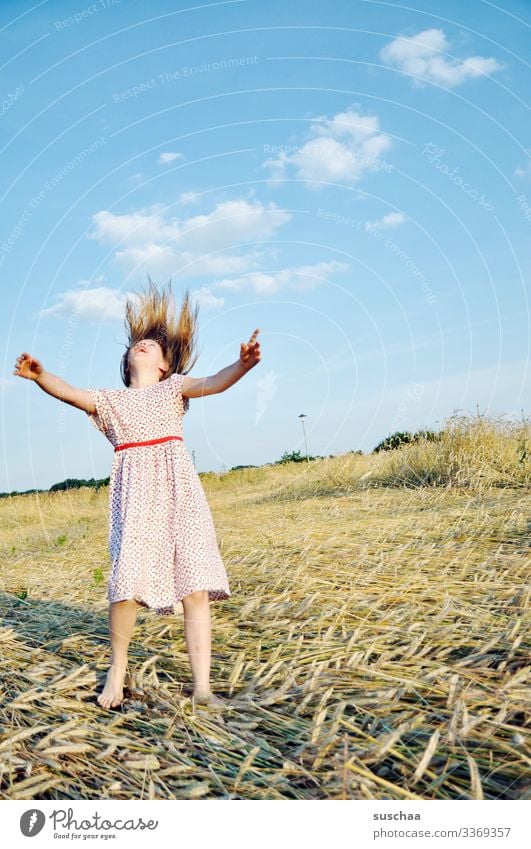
395	440
294	457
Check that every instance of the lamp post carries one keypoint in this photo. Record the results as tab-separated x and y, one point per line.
193	457
302	417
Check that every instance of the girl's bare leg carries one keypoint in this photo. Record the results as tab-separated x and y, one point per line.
122	618
197	630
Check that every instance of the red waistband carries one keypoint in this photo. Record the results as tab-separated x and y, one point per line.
148	442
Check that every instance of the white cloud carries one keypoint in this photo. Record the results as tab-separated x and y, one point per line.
422	56
392	219
102	303
206	298
300	279
98	303
342	150
233	221
164	158
200	244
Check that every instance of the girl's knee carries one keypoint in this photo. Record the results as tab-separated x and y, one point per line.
197	597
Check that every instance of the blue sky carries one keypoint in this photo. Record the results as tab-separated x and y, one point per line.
353	178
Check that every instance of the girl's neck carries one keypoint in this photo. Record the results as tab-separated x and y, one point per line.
143	379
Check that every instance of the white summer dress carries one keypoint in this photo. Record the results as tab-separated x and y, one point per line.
162	539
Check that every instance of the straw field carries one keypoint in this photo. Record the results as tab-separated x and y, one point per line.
375	645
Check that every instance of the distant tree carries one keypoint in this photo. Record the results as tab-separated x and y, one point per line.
294	457
69	483
395	440
23	492
76	483
429	435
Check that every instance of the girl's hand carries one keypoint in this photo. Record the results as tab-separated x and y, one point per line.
250	352
28	367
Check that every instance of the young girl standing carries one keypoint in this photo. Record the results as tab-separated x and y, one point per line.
162	539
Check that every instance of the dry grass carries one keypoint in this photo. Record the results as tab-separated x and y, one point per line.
374	646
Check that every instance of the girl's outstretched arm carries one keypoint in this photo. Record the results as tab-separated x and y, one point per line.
32	369
196	387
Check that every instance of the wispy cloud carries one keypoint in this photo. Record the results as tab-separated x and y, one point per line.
350	361
187	197
168	156
200	244
342	149
392	219
422	56
301	278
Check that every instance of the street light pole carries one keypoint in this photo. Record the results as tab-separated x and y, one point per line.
302	417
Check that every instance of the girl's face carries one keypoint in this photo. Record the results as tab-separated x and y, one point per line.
147	355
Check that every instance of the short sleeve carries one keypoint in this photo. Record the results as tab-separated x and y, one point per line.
177	382
101	419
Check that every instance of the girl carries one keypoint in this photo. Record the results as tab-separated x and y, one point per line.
162	540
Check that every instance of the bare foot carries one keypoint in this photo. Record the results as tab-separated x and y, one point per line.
210	700
112	694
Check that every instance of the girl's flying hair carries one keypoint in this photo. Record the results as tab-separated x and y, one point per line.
152	316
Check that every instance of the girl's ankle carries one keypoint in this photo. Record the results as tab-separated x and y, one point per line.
202	691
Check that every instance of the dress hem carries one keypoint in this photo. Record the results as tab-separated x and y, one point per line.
213	595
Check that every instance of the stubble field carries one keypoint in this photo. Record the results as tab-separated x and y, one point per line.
375	646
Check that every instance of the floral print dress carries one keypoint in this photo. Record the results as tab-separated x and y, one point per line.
162	540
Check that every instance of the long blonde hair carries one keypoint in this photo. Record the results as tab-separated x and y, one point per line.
152	316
